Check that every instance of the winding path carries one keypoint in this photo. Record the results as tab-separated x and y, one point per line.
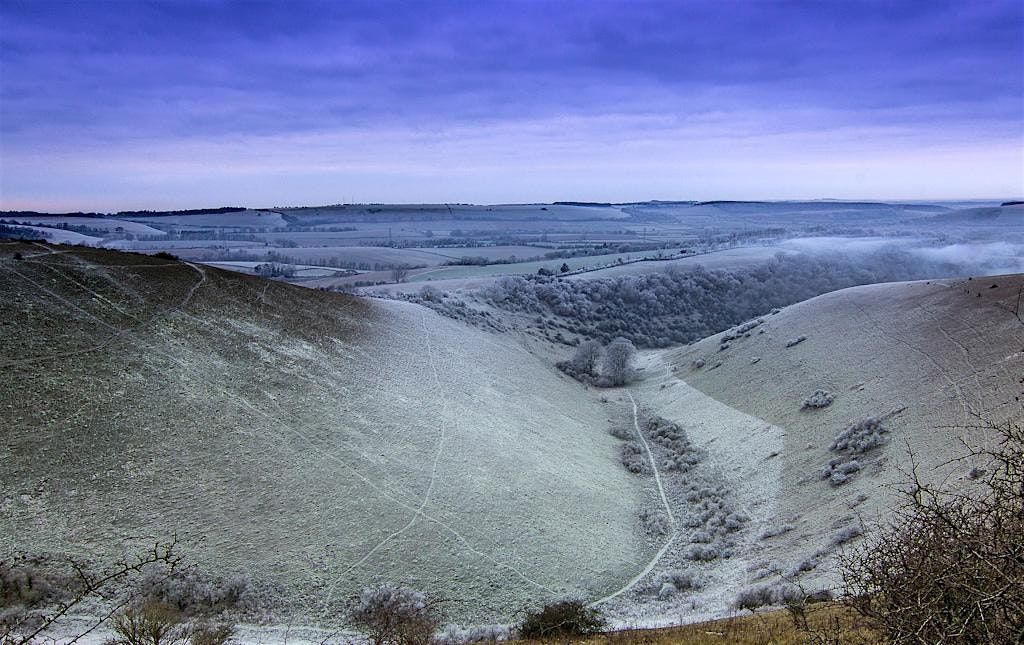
664	500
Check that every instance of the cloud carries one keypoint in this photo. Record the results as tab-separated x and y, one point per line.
140	80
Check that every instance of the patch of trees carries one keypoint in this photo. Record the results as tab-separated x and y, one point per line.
676	306
8	232
608	366
274	270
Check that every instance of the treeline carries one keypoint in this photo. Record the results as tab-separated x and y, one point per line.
192	211
680	306
21	233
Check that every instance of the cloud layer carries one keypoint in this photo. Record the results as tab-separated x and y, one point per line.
130	104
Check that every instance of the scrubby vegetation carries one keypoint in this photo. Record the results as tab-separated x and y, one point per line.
949	564
675	306
395	615
858	439
561	620
820	399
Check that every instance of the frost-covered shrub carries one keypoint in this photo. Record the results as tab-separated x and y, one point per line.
430	293
192	594
702	553
820	399
844	535
670	583
808	564
795	341
633	458
735	521
860	437
394	614
697	363
682	455
839	470
455	635
655	523
770	594
621	432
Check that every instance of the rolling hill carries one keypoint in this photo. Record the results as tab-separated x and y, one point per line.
313	441
812	412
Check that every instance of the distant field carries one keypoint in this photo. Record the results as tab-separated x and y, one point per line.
93	222
526	268
60	236
247	219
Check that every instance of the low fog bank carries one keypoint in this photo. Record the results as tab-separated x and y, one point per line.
972	258
679	306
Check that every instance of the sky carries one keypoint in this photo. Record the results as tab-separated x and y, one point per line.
114	105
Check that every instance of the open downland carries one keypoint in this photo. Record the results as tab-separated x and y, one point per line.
932	361
316	442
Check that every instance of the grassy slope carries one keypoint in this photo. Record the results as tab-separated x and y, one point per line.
294	434
941	352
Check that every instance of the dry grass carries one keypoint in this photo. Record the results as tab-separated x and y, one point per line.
830	623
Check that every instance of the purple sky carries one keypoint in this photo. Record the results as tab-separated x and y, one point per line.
119	105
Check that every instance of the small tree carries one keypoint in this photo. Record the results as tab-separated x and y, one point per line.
399	273
618	361
587	356
564	268
394	615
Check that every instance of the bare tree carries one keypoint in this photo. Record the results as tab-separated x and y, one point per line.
78	586
399	273
618	361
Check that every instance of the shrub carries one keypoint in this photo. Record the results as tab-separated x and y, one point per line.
860	437
164	255
655	523
150	624
820	399
771	594
430	293
839	470
194	595
455	635
211	634
621	432
394	615
633	458
949	564
702	553
795	341
561	619
847	534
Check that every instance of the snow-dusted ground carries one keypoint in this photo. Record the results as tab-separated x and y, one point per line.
402	446
378	441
